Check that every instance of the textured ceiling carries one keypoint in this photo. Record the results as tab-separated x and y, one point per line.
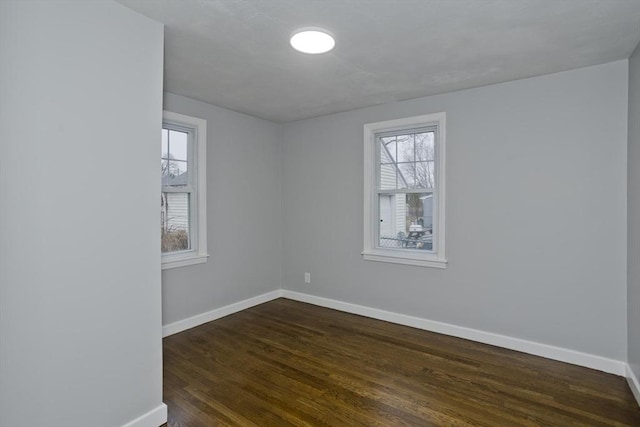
236	53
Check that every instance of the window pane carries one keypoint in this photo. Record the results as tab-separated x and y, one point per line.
174	220
406	221
385	156
178	167
388	155
174	173
425	174
406	175
178	145
387	177
425	146
405	148
164	168
165	143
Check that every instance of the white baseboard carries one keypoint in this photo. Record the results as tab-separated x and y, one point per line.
154	418
199	319
634	384
592	361
551	352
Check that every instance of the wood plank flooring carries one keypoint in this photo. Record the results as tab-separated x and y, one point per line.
286	363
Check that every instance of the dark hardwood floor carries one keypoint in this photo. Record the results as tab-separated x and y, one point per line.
288	363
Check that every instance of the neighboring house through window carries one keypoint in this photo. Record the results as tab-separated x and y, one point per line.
183	196
404	174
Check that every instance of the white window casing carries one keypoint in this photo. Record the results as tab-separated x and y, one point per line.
196	188
372	192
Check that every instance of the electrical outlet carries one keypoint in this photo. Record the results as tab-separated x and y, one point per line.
307	277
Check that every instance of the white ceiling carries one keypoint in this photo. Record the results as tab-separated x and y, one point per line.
236	53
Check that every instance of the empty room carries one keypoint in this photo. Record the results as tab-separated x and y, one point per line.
319	212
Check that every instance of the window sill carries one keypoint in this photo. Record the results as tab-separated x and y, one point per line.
406	258
175	261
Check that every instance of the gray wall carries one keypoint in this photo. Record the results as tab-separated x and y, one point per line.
633	206
243	210
536	211
80	322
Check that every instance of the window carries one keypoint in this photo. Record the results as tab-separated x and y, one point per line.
183	217
404	173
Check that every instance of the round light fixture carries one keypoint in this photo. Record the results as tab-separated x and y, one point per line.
312	40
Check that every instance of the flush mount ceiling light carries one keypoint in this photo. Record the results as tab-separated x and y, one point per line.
312	40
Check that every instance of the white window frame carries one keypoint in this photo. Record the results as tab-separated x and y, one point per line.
197	163
371	251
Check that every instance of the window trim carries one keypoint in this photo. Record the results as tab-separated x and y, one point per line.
198	215
370	252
